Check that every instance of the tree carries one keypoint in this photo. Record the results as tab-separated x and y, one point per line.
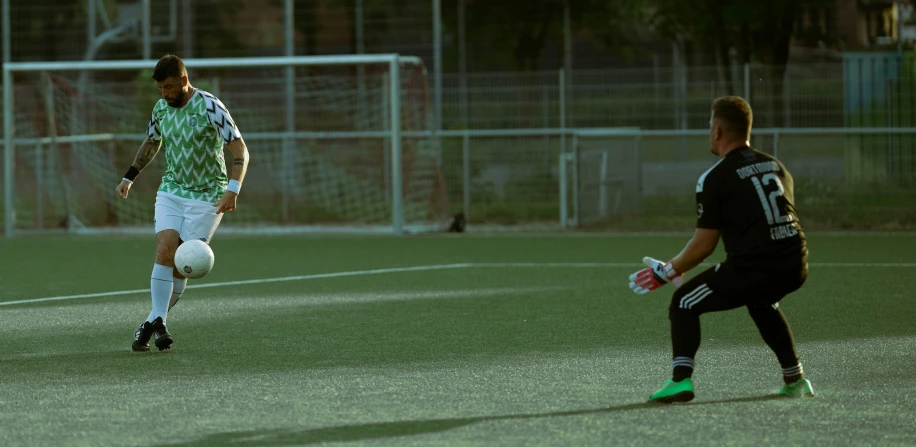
305	21
517	31
213	30
47	31
705	22
375	19
754	30
504	34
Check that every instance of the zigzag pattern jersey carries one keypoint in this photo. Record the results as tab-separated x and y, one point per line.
193	137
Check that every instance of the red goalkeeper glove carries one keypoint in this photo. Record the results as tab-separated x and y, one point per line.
654	276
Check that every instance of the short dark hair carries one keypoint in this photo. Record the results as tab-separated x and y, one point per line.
169	66
736	115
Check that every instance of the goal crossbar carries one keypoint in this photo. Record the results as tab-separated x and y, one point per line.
393	62
219	62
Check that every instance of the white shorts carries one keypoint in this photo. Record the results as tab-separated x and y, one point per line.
192	219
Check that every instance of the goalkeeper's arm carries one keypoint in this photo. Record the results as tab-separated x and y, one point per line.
700	246
658	273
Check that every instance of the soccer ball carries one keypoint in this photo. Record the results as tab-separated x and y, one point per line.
194	259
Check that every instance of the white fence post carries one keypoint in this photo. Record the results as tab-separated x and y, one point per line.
602	187
564	192
397	178
466	173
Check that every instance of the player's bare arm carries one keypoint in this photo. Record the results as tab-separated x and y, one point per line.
700	247
145	155
239	166
239	152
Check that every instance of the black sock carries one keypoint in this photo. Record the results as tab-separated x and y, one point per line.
682	371
792	374
685	341
683	368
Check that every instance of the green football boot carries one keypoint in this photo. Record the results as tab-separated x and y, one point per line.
798	388
673	391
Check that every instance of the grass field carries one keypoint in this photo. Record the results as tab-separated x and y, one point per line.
439	340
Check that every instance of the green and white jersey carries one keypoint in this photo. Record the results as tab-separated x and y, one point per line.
193	138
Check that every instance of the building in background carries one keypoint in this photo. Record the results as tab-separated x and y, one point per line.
868	24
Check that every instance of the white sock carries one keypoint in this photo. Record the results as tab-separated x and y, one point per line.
161	291
177	289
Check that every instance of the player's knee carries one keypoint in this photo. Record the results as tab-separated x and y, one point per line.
675	313
681	304
763	310
675	310
675	300
165	254
165	251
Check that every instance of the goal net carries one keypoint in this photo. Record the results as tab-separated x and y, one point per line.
334	146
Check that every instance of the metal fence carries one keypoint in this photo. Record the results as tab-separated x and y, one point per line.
625	178
622	179
862	178
812	96
505	132
115	29
662	95
809	95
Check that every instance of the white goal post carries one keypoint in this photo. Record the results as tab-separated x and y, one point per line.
313	155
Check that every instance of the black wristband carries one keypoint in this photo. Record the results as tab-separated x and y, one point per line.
132	173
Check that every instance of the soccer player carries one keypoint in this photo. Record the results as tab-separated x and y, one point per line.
193	126
747	199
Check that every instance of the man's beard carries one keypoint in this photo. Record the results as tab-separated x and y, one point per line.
174	103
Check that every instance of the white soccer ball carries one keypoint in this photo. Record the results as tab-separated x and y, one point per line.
194	259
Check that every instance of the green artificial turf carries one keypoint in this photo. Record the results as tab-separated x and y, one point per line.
487	350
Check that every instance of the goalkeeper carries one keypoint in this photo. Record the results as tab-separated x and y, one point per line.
747	199
193	126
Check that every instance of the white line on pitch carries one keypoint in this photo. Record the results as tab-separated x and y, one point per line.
555	264
249	281
334	275
419	269
863	264
636	264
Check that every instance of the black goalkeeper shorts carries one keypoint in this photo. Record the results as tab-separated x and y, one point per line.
726	286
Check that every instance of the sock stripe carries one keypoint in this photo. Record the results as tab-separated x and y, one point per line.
793	370
179	284
682	361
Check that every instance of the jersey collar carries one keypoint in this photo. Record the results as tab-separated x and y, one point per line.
738	150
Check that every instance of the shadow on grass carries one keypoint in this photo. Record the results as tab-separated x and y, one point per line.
380	430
